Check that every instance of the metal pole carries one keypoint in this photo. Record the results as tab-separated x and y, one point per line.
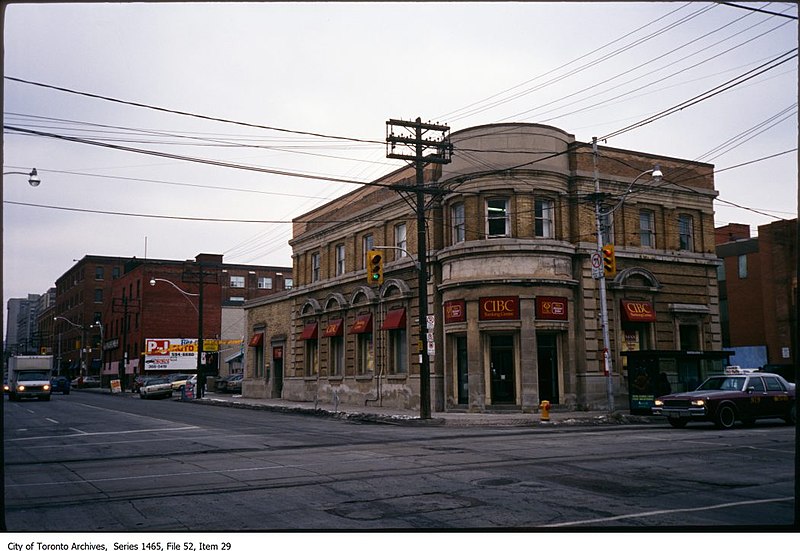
607	363
422	279
201	378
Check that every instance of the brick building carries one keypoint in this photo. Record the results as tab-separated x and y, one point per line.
159	299
95	297
758	288
510	239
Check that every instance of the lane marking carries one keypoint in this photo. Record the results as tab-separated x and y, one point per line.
109	433
52	421
667	512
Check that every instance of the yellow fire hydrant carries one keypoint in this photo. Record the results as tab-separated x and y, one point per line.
544	407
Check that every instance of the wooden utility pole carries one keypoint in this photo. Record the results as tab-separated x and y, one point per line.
412	136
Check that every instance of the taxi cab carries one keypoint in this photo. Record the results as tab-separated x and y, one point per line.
735	396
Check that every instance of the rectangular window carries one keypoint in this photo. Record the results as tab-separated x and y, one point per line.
742	266
647	229
98	295
315	267
288	283
544	209
312	358
336	356
367	243
340	258
265	283
458	223
237	282
365	355
497	217
685	233
99	273
400	241
398	351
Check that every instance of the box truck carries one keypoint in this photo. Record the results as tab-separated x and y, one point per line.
29	377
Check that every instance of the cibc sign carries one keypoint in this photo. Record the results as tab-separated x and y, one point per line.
499	308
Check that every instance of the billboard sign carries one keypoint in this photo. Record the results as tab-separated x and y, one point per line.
170	355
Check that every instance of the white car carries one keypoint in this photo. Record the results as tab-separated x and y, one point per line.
157	387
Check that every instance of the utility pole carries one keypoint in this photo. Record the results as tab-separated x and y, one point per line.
598	215
200	276
124	306
443	150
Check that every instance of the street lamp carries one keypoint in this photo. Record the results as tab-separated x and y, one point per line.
599	215
83	339
199	310
33	177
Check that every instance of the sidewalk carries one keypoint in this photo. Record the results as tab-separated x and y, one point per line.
374	414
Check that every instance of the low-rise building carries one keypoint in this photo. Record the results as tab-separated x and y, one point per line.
513	303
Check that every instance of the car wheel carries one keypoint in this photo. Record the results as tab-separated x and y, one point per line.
726	417
677	423
791	419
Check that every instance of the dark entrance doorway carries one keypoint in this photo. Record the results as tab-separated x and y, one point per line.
547	357
277	372
502	369
462	378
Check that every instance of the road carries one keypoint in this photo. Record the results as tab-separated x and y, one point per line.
92	462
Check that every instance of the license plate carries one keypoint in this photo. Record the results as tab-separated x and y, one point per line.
678	414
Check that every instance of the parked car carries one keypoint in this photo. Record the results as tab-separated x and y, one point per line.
60	384
725	399
234	383
178	380
155	387
221	384
89	381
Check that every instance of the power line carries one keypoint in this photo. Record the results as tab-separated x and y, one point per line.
707	94
186	113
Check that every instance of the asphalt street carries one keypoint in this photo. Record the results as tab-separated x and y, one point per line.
92	462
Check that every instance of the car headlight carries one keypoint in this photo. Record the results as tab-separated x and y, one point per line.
20	388
658	403
699	402
46	387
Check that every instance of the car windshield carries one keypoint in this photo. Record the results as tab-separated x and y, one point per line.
723	383
32	376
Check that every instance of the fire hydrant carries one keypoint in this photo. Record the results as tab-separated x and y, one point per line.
545	409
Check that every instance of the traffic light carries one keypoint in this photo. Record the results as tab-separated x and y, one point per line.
609	261
374	267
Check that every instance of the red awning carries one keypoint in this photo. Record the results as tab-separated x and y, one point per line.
310	331
335	328
638	311
363	324
395	319
257	339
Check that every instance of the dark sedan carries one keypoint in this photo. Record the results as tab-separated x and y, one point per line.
725	399
60	384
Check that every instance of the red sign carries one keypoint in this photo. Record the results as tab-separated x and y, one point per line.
638	311
277	352
499	308
363	324
334	328
551	308
455	311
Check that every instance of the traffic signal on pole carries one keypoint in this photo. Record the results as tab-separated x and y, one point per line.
609	261
375	267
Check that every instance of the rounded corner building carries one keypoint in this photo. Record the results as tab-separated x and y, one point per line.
513	295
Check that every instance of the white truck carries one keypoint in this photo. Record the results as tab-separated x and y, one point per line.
29	377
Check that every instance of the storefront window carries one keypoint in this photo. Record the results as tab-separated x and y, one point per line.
366	356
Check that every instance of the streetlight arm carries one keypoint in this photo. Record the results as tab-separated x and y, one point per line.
33	176
73	324
185	294
657	175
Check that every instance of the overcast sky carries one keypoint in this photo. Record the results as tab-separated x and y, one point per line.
343	70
